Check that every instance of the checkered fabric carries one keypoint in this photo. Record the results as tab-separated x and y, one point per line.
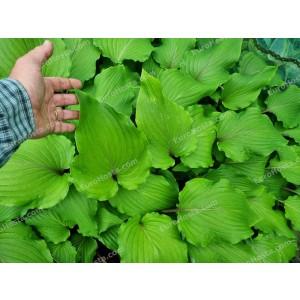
16	117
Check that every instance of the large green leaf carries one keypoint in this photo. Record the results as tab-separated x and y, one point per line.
211	212
204	130
114	86
171	52
106	218
206	43
242	90
181	88
263	249
238	180
150	239
79	209
274	183
152	67
12	49
271	220
251	64
286	106
221	253
111	151
11	212
83	56
63	252
51	225
154	195
109	238
119	49
211	66
271	248
166	125
292	210
86	247
253	168
35	175
19	244
293	133
243	134
288	163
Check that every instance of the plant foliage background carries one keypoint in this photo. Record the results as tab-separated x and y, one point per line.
187	150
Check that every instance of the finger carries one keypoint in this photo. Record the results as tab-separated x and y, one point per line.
67	114
59	83
65	99
63	127
41	53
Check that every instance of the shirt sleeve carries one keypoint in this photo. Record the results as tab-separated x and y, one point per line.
16	118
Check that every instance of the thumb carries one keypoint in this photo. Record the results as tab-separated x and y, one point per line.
41	53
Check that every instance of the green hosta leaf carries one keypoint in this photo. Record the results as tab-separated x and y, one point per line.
267	248
8	213
221	253
19	244
163	122
150	239
271	248
242	90
288	163
114	86
119	49
276	81
189	171
51	225
86	248
79	209
171	52
270	220
204	130
181	88
152	67
109	238
71	135
63	252
286	106
293	133
83	56
251	64
112	151
204	205
155	194
206	43
106	219
35	176
253	168
11	49
292	210
237	179
210	67
275	183
243	134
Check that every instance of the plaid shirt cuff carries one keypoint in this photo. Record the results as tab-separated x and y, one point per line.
16	117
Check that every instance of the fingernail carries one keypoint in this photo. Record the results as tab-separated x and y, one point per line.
47	41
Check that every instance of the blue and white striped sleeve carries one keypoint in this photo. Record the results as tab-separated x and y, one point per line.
16	117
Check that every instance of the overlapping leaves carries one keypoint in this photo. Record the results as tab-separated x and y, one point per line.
112	151
166	125
36	174
155	114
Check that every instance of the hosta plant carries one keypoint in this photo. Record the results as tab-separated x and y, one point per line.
185	151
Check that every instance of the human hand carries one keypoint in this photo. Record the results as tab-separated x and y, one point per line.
44	101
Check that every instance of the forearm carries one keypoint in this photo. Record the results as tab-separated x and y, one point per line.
16	118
